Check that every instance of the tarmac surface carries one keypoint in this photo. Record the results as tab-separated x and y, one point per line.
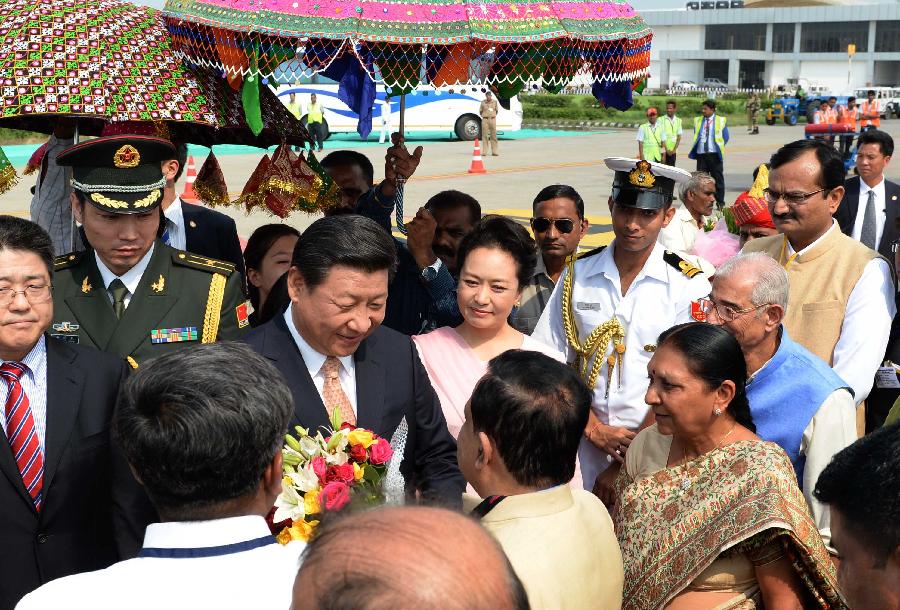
529	160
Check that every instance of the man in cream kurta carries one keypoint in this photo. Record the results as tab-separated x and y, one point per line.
841	293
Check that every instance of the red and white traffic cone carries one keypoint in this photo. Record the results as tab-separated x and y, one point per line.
477	166
189	176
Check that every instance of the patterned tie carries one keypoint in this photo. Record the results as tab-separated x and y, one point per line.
118	290
333	393
867	234
21	433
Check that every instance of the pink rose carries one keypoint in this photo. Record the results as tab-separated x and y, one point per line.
335	495
358	454
319	467
344	473
347	426
380	452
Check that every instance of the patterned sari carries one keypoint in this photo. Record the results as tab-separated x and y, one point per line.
738	501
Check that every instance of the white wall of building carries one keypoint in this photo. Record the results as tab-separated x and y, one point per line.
833	74
779	72
676	38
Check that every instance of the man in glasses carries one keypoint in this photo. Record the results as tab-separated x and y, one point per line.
841	292
796	400
610	306
62	490
558	224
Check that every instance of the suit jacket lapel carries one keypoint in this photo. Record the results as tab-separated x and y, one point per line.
93	309
852	198
369	386
891	214
64	388
193	236
279	346
149	303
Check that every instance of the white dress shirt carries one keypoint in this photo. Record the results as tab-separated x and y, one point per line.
880	205
314	361
34	382
867	323
175	224
130	278
659	298
239	566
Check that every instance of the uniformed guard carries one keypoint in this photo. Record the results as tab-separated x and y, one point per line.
610	306
129	293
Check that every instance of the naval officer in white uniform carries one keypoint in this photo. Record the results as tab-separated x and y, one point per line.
610	306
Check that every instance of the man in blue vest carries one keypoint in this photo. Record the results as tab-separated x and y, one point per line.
796	399
710	137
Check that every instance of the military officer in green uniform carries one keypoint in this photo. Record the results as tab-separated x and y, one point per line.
129	293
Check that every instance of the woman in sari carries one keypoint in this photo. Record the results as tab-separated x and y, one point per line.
709	516
495	260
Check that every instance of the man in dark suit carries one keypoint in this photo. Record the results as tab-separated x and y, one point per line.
871	205
65	494
334	353
196	228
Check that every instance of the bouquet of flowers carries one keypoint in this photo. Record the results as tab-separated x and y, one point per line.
327	472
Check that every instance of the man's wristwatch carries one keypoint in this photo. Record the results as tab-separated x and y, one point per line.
430	272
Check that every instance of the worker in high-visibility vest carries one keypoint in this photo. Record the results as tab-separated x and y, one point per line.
315	122
869	113
848	115
651	137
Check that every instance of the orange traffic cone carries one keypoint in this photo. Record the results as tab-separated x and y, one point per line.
189	176
477	166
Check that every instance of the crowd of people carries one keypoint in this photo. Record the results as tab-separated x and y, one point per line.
628	427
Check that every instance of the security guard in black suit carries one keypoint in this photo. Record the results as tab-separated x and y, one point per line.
128	293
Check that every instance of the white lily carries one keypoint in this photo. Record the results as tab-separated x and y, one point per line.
304	479
288	504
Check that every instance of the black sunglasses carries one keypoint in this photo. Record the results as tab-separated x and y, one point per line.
563	225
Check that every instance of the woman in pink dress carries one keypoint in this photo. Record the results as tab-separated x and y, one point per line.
495	260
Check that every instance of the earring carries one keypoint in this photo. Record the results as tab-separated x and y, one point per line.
717	411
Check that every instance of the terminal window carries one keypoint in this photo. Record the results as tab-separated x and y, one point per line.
887	36
783	38
750	37
834	37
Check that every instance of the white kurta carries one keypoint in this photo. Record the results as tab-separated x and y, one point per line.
659	298
258	577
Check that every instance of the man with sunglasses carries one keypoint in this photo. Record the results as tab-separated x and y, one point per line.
558	224
841	292
610	306
796	400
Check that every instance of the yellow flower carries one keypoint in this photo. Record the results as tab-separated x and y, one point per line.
361	437
311	502
284	536
358	471
302	530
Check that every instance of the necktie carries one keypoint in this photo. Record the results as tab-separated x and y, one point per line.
332	392
118	290
21	433
867	234
167	232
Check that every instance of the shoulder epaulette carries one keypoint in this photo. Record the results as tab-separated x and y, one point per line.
590	253
67	260
685	267
204	263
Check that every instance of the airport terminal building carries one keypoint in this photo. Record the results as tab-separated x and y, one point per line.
761	45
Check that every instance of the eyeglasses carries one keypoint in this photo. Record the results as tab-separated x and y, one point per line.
790	198
35	294
725	312
563	225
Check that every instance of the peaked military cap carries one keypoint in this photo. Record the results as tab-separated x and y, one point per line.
644	184
119	174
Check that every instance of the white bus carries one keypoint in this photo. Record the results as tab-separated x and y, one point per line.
452	109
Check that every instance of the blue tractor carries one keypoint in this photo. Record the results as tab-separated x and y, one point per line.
790	109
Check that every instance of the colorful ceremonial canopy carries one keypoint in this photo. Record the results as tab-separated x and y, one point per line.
401	43
108	61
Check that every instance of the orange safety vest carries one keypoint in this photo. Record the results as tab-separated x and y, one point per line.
848	116
866	108
830	116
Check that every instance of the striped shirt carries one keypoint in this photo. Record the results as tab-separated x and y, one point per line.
34	382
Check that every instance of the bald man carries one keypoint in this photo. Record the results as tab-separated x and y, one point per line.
406	558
